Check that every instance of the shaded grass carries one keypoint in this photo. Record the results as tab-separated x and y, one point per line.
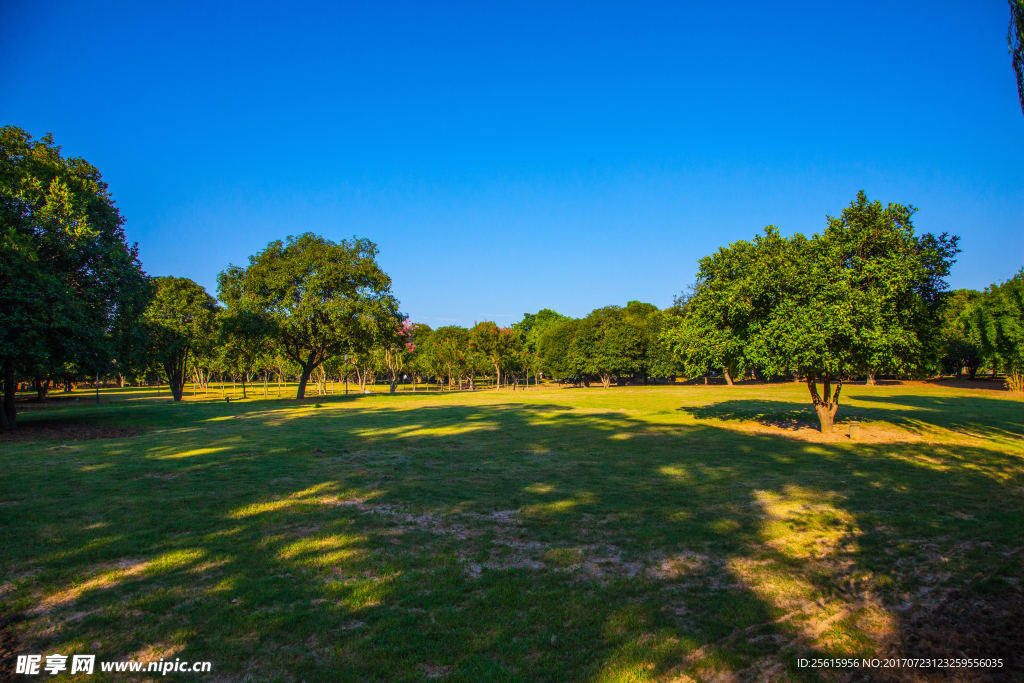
619	535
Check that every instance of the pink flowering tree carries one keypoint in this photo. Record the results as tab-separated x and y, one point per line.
398	348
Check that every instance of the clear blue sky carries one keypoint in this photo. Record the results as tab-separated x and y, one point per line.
510	157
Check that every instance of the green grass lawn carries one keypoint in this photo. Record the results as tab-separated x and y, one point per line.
653	533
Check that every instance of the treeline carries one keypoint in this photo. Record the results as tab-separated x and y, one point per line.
865	296
984	332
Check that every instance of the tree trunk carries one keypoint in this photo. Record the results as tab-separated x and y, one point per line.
42	388
828	407
243	384
606	379
728	377
872	376
176	378
10	417
497	371
303	378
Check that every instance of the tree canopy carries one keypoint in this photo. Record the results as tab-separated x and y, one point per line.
69	282
181	319
863	295
320	298
998	321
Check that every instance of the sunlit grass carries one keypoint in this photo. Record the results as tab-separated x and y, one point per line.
630	534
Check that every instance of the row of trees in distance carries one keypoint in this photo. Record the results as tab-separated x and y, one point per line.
865	296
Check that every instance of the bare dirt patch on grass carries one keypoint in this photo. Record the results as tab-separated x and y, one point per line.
806	431
964	624
67	430
9	647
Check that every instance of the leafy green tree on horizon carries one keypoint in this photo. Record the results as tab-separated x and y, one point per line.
733	291
320	298
862	295
71	288
960	350
999	325
494	343
182	317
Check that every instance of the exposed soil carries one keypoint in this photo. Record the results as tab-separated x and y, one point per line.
66	430
8	648
965	625
807	431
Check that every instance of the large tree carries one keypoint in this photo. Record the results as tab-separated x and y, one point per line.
494	343
864	294
609	344
321	298
181	321
69	282
534	325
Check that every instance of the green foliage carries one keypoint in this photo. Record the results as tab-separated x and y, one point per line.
245	341
999	324
320	298
419	364
862	296
611	343
181	321
534	325
499	345
450	352
1015	38
957	335
71	289
735	291
561	356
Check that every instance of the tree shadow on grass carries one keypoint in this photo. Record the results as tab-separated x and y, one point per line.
508	541
972	416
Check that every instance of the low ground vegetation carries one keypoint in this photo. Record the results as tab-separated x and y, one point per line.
663	533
